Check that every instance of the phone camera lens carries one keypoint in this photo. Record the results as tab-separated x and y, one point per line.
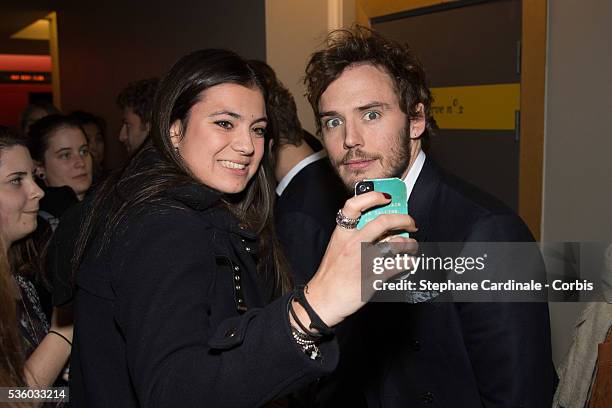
363	187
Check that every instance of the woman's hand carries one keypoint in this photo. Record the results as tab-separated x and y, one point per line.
335	291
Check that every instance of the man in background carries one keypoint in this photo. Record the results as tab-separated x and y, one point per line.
136	103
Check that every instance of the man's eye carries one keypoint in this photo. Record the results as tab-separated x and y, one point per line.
371	115
333	122
224	124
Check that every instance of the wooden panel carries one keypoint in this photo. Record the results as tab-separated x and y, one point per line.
533	77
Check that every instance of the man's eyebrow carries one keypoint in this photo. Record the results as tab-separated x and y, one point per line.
328	113
374	104
232	114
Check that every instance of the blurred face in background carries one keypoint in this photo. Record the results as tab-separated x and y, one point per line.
67	161
95	138
36	114
133	131
224	140
19	194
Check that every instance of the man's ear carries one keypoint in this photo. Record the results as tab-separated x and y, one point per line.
175	133
417	126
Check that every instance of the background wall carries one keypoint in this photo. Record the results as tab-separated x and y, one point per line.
578	143
294	29
103	47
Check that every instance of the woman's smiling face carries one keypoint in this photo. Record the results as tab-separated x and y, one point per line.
223	143
19	194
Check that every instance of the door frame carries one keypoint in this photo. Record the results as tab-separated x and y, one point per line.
533	81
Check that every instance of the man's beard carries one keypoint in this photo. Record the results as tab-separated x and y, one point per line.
394	165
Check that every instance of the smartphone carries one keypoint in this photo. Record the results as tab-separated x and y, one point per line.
399	200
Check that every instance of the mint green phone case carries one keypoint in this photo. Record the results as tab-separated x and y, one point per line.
398	204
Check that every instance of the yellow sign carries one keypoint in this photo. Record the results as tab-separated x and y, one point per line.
487	107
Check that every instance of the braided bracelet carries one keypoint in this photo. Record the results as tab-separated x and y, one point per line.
315	321
307	333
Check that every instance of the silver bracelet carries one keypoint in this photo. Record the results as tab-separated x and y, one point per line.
309	347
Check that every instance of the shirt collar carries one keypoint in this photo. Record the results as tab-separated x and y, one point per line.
413	173
282	185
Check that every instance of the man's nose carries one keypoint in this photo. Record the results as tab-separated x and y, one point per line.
352	136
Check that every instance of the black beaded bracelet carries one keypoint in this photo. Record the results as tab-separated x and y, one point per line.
315	321
310	335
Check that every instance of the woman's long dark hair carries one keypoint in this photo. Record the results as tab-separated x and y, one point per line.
11	357
140	182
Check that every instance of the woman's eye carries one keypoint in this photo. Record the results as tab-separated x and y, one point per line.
16	181
84	151
371	115
260	131
64	156
224	124
333	122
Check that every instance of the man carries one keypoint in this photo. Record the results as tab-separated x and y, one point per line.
374	114
308	188
136	103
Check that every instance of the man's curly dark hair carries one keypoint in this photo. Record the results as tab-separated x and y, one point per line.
139	96
360	45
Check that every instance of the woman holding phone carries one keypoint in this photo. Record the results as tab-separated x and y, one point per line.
183	296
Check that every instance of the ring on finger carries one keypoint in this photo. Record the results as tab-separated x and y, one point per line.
346	222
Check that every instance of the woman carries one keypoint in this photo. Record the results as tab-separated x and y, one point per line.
45	349
95	131
59	147
179	264
64	168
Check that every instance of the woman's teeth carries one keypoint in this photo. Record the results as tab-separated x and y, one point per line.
232	165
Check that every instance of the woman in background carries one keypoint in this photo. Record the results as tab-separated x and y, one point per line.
64	168
45	349
60	149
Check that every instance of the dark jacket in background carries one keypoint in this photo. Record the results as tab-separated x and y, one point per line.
305	216
157	320
56	201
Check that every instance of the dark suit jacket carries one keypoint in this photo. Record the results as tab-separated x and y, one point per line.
459	354
305	216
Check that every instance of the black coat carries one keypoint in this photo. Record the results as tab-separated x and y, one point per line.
160	320
305	216
464	355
